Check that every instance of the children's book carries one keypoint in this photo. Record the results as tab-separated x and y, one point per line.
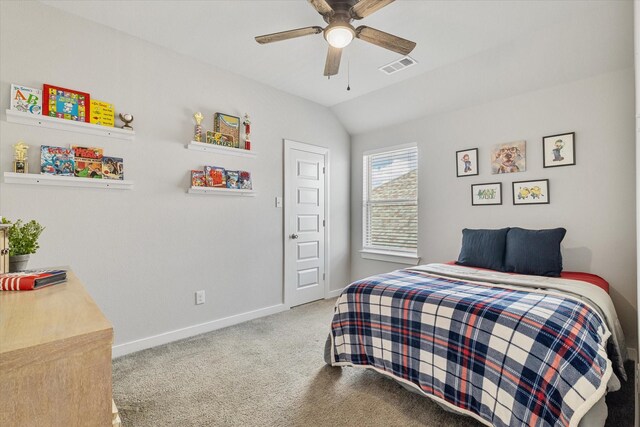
102	113
88	162
232	179
228	125
65	103
244	180
112	167
198	179
56	160
26	99
215	176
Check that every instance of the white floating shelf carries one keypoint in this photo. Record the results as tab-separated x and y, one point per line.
201	146
221	191
65	181
69	125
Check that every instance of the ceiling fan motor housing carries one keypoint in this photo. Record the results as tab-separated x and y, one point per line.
341	11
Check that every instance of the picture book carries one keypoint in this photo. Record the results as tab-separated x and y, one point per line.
26	99
112	167
232	179
102	113
56	160
215	176
198	179
88	162
219	139
29	280
244	180
228	125
65	103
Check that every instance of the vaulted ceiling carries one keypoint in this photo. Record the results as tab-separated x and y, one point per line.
481	37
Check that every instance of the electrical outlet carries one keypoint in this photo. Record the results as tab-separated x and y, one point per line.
199	297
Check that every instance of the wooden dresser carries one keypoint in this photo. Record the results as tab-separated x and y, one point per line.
55	358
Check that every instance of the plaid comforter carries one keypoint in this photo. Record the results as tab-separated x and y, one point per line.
507	357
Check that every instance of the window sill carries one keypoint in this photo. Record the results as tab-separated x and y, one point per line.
389	256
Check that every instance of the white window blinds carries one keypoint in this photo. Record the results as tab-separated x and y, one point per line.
390	200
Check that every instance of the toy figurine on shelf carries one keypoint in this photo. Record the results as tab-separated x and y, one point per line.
198	134
247	131
126	118
20	164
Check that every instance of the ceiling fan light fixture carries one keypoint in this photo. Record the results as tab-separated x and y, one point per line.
339	35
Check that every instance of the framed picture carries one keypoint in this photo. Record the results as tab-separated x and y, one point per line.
509	157
559	150
65	103
531	192
467	162
228	125
486	194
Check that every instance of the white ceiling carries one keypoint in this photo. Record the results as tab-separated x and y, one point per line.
221	33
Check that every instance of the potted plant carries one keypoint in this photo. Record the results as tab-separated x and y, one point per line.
23	241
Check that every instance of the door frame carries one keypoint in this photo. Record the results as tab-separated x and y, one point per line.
324	151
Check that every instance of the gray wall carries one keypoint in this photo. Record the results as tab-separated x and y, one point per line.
594	200
143	253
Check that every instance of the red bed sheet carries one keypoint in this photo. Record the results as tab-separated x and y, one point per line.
573	275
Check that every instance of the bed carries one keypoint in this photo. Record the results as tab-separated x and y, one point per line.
506	349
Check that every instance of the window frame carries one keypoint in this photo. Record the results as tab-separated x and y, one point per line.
398	254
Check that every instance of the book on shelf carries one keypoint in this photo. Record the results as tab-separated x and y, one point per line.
198	178
228	125
29	280
102	113
112	167
57	161
217	138
88	162
26	99
215	176
232	179
244	180
65	103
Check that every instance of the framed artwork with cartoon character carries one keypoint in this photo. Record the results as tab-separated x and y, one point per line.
467	162
534	192
486	194
559	150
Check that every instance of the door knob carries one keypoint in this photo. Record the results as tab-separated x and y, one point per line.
294	236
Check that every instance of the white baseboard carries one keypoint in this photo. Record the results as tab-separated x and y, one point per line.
189	331
334	294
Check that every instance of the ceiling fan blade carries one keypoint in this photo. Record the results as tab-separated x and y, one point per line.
385	40
366	7
332	65
322	7
285	35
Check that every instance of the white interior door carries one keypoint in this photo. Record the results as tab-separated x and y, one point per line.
305	223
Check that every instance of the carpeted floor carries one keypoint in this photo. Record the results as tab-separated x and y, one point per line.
270	372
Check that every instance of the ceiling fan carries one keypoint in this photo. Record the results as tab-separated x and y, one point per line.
339	33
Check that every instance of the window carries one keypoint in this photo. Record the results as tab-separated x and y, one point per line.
390	201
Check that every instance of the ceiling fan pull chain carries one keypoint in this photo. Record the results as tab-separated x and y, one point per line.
348	74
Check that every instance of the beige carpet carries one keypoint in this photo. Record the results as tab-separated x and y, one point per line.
267	372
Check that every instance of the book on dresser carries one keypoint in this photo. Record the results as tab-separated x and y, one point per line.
29	280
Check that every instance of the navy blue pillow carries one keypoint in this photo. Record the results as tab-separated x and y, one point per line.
534	251
483	248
